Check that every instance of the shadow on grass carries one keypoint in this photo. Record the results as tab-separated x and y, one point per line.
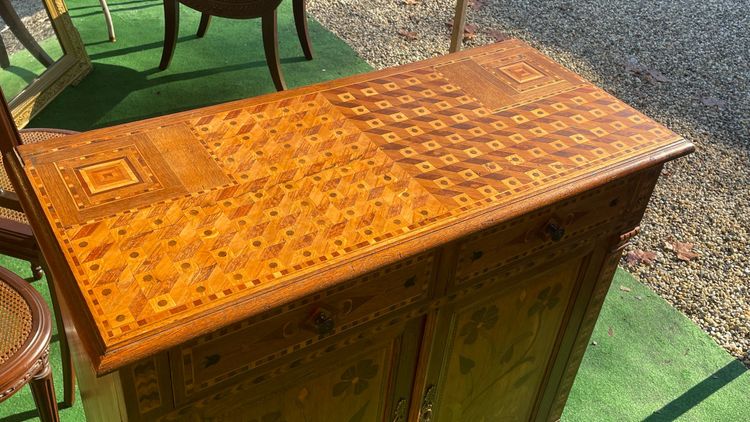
698	392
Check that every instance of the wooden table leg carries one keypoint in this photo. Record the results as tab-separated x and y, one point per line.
271	46
459	21
69	375
43	390
300	21
10	17
171	28
203	26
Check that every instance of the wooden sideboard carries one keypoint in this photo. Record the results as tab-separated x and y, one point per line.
425	243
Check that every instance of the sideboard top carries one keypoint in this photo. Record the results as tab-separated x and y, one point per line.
178	225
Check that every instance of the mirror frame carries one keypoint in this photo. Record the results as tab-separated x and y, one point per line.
68	70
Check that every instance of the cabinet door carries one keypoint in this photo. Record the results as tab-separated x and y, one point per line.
493	350
365	380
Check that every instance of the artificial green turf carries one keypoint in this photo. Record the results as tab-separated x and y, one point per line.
227	64
656	365
25	68
651	363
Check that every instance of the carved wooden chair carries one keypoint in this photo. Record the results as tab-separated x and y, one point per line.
25	333
16	237
238	9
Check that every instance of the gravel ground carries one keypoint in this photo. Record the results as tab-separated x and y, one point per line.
685	63
34	17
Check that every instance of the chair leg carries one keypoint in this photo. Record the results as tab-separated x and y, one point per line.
300	21
69	375
36	269
271	46
43	391
108	19
171	28
4	60
10	17
203	26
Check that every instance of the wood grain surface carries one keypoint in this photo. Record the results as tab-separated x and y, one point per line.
176	226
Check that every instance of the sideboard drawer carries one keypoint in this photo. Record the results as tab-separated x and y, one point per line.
239	348
518	238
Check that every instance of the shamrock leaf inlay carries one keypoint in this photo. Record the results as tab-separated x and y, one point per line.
546	299
482	318
356	377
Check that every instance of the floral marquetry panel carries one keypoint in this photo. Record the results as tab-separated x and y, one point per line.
353	390
500	348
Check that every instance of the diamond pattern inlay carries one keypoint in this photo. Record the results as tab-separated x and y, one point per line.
192	211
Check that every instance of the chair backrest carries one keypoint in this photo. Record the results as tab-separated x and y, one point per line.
9	136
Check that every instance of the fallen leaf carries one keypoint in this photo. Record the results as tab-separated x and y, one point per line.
713	102
408	35
625	288
683	250
611	332
639	297
632	65
498	35
639	256
470	31
657	76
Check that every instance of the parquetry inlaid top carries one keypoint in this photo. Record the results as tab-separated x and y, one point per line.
170	220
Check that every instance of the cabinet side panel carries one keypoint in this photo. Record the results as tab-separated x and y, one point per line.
578	334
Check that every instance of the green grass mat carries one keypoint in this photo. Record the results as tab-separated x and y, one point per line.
651	363
227	64
24	68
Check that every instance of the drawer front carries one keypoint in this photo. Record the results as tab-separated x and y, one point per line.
493	248
237	349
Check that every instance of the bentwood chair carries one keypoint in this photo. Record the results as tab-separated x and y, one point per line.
16	237
25	333
238	9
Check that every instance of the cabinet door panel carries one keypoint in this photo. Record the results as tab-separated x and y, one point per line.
499	347
355	384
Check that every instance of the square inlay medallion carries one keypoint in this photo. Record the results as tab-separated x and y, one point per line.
99	178
521	72
107	175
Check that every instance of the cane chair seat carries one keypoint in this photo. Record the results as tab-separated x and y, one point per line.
15	325
25	334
